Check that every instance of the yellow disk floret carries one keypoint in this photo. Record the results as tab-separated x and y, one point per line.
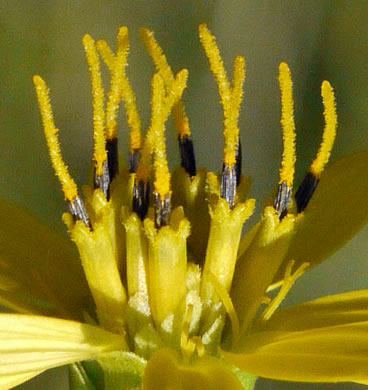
329	132
288	126
68	185
100	154
127	95
164	70
117	74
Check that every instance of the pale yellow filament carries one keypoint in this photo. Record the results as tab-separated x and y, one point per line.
229	307
68	185
329	132
100	154
287	125
288	282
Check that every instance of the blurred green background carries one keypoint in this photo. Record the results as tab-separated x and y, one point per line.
320	39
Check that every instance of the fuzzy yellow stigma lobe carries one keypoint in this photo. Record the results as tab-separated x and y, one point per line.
98	102
329	132
161	104
230	96
117	75
164	70
287	125
127	93
162	174
68	185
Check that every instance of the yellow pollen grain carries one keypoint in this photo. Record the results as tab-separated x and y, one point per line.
230	97
127	95
98	98
329	132
287	125
117	75
68	185
163	68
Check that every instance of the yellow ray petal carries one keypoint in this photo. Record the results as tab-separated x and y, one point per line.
205	374
38	264
337	210
329	354
332	310
259	262
9	381
33	343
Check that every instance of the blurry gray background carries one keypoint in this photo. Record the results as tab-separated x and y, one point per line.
320	39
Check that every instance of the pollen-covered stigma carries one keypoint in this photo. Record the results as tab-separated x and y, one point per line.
162	251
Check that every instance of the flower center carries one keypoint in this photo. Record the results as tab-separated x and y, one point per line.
160	264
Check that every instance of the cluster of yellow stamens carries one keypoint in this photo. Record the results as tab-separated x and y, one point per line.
172	300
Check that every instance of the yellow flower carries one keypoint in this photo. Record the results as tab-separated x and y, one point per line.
169	296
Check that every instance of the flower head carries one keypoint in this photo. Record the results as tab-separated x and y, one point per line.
171	295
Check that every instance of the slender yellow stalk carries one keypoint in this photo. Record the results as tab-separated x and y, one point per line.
329	132
127	95
288	126
230	96
100	154
68	185
117	75
164	70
